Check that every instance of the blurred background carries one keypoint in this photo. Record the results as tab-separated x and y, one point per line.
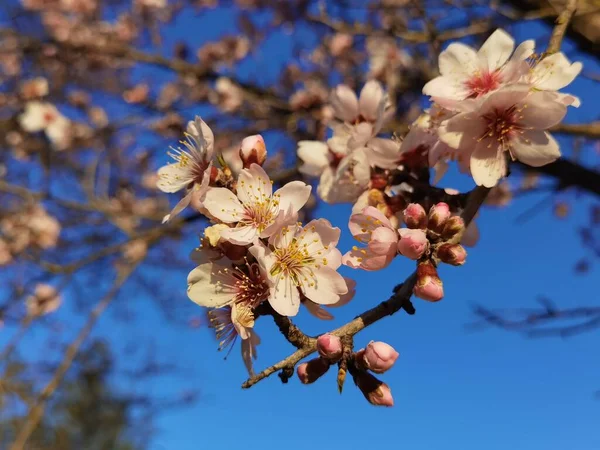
100	346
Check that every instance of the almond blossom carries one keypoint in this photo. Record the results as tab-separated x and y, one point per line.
512	120
373	228
43	116
302	261
231	322
466	73
552	73
44	300
256	210
192	168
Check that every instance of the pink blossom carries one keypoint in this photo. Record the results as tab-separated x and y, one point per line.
253	151
373	228
552	73
256	211
231	322
466	73
438	215
302	261
192	168
429	285
311	371
375	391
378	357
413	243
329	347
454	254
415	216
44	300
512	120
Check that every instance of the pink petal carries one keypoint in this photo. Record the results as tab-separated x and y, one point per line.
240	235
180	206
317	310
284	296
541	111
554	72
383	240
173	177
450	87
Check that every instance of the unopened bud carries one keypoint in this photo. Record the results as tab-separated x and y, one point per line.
454	254
453	226
412	243
253	151
415	216
438	215
311	371
330	347
378	357
375	391
429	285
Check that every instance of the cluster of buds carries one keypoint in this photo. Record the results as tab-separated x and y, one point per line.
377	357
430	239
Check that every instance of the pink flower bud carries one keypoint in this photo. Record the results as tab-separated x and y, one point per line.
438	215
379	357
429	285
330	347
375	391
453	226
412	243
415	216
253	151
311	371
454	254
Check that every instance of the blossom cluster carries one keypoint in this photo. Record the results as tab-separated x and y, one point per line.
31	228
256	251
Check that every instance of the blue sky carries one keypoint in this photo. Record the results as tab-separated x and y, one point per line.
453	388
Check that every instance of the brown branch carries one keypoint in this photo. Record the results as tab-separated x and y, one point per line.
397	301
562	23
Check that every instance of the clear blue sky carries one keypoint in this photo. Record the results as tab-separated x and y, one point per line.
453	388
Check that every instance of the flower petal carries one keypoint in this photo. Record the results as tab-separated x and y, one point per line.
458	60
180	206
284	296
173	177
325	286
536	148
488	164
370	100
315	157
223	204
496	50
542	110
209	285
317	310
293	196
344	103
383	240
254	185
554	72
240	235
450	86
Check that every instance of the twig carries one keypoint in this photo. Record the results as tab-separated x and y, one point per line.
562	23
36	411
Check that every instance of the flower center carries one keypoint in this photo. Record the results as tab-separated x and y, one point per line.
502	124
262	212
251	289
483	82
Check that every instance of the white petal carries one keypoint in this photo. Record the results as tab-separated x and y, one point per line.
180	206
488	164
315	156
202	135
326	286
293	196
458	60
254	185
344	103
384	153
554	72
542	110
496	50
524	50
536	148
224	205
284	296
371	97
210	285
240	235
450	86
173	177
